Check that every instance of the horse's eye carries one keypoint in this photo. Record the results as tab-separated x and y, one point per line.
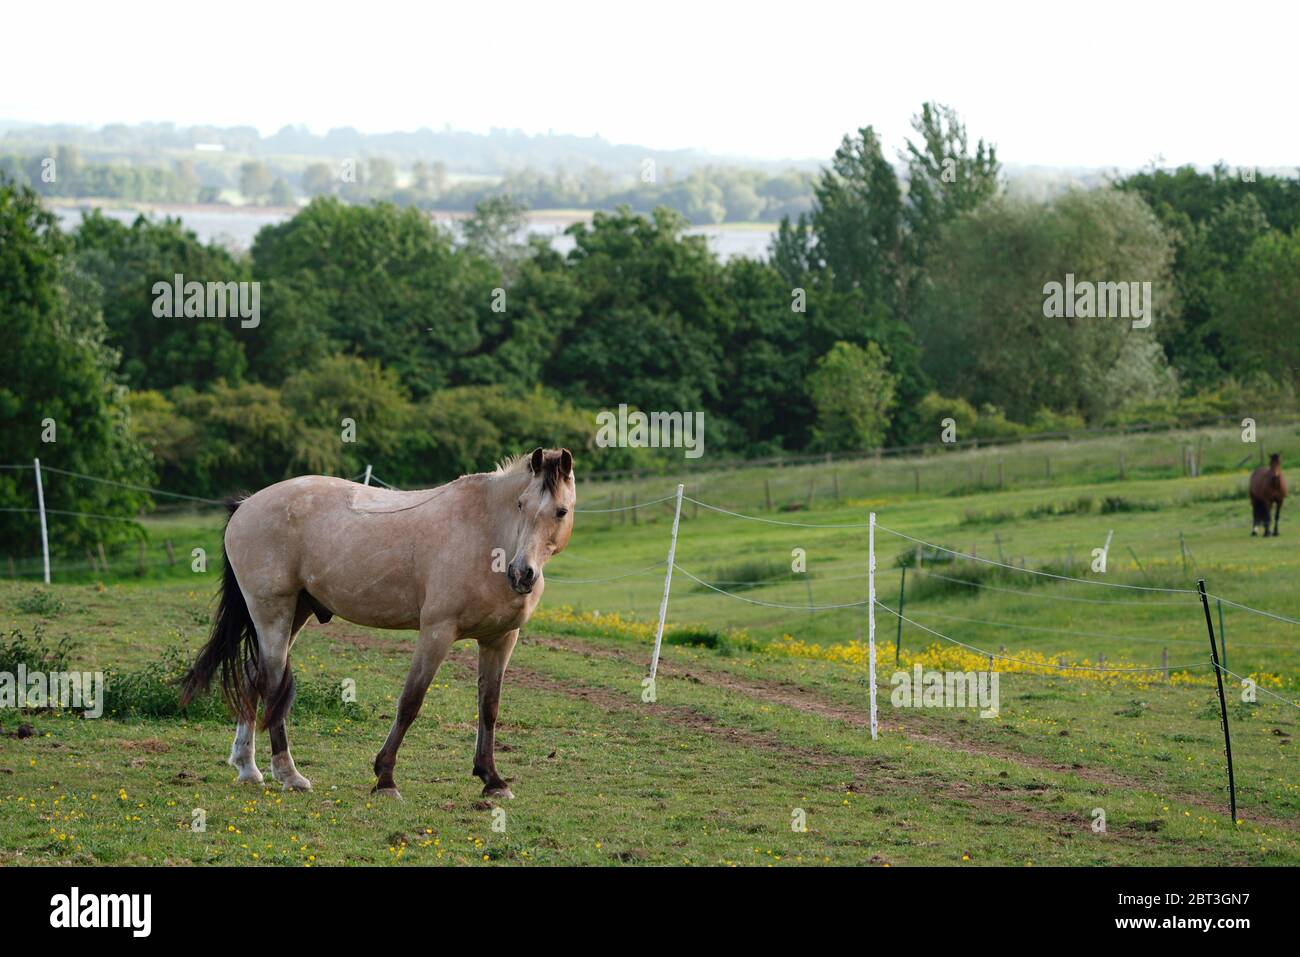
561	512
520	505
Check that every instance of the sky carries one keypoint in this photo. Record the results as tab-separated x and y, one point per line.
1084	84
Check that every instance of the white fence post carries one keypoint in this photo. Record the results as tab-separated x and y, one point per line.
668	581
45	536
366	480
871	618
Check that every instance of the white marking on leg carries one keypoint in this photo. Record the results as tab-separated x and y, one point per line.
243	755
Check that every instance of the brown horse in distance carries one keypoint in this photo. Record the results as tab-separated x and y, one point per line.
1267	490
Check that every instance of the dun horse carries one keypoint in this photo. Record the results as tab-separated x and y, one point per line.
432	560
1267	490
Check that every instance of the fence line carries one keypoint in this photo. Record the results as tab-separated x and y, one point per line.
724	511
1038	664
1256	611
626	508
58	511
1074	598
1035	571
770	521
137	488
612	578
1054	631
766	604
1293	704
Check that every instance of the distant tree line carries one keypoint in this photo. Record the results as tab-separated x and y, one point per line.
707	194
909	292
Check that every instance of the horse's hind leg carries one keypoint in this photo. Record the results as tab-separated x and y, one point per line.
243	752
434	644
278	622
493	656
1258	511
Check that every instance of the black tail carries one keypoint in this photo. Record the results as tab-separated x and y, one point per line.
232	647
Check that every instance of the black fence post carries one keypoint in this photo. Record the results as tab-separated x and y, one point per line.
1223	704
902	595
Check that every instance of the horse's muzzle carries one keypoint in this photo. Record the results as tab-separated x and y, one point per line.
521	581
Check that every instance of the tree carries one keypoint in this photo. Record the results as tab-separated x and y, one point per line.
254	180
854	394
944	179
858	221
649	307
158	351
375	281
982	325
1258	309
281	193
56	383
318	179
1214	217
494	232
383	177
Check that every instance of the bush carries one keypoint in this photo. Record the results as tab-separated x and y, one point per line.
41	601
33	653
749	574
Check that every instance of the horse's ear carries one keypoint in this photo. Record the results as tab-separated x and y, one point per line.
535	462
566	463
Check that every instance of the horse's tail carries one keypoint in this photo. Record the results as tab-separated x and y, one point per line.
232	647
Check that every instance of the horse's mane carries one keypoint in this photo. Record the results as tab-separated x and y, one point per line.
512	463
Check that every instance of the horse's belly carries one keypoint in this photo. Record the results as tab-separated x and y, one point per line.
388	599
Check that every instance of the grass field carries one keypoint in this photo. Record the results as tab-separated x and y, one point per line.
762	714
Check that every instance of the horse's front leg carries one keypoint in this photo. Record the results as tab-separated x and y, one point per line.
1277	517
435	642
493	656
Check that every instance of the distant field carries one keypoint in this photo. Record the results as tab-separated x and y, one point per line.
761	711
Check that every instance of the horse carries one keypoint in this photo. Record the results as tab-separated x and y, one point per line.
1267	489
432	560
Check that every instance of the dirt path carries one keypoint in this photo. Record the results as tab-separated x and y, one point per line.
916	728
790	695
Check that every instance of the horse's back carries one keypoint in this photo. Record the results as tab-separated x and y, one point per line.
360	551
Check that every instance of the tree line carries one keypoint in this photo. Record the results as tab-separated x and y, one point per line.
909	292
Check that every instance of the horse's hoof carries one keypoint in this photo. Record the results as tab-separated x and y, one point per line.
499	791
388	793
296	783
250	776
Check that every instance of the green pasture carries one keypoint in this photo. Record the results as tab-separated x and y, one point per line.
758	715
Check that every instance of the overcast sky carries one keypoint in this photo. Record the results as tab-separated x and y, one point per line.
1079	84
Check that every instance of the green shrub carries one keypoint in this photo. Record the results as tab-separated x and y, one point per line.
41	601
749	574
33	653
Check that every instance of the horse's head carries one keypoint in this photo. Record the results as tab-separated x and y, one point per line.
1275	463
545	510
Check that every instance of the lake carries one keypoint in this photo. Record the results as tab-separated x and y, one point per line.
235	227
